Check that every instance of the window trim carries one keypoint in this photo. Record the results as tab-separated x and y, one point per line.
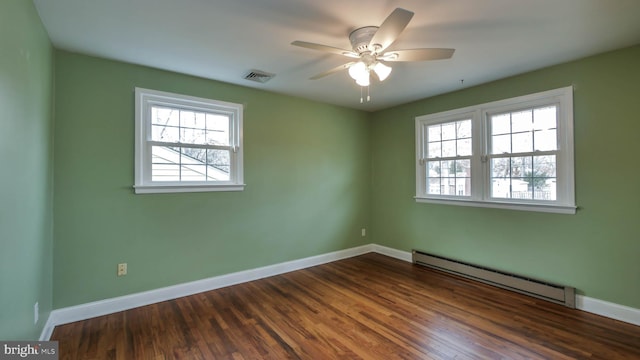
144	99
480	182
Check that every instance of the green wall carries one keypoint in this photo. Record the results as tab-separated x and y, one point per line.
597	250
307	170
26	93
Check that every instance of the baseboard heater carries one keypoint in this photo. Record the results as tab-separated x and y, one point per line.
564	295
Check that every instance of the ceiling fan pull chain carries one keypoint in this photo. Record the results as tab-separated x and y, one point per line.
368	97
361	98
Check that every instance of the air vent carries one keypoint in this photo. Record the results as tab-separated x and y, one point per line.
259	76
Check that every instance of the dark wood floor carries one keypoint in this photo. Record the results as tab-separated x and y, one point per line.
367	307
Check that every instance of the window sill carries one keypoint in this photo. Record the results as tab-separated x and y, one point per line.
158	189
557	209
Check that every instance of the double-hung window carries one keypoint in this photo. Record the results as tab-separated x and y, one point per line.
186	144
515	153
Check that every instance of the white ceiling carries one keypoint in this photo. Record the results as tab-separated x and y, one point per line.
224	39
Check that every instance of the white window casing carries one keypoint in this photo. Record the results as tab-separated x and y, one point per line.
507	168
186	144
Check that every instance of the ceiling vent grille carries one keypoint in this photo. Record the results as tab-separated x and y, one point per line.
259	76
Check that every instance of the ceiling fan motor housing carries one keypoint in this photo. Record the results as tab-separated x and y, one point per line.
361	38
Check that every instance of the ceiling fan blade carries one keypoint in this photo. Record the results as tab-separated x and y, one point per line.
332	71
417	54
391	28
325	48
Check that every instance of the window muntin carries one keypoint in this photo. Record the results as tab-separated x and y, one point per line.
521	154
187	144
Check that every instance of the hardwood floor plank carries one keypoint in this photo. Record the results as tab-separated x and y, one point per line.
367	307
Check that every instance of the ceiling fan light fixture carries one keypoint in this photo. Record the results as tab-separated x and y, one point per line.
364	80
359	73
381	70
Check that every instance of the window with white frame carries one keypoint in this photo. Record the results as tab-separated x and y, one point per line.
186	144
515	153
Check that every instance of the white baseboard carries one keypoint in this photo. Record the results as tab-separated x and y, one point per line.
120	303
109	306
608	309
47	331
394	253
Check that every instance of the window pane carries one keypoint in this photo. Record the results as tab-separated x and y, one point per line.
463	186
193	156
218	162
190	135
521	166
165	133
165	172
545	140
448	186
188	119
463	168
434	186
521	121
501	188
448	131
501	144
165	163
218	122
200	120
217	129
217	138
545	118
464	129
189	156
500	167
464	147
165	116
434	133
520	189
522	142
449	148
445	168
463	177
500	124
544	166
165	155
543	181
546	193
434	169
435	150
190	172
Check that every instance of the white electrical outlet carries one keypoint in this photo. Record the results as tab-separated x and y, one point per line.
36	313
364	232
122	269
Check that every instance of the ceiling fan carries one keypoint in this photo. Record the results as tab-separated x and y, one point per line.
369	44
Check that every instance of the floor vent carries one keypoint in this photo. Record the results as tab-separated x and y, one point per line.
564	295
259	76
